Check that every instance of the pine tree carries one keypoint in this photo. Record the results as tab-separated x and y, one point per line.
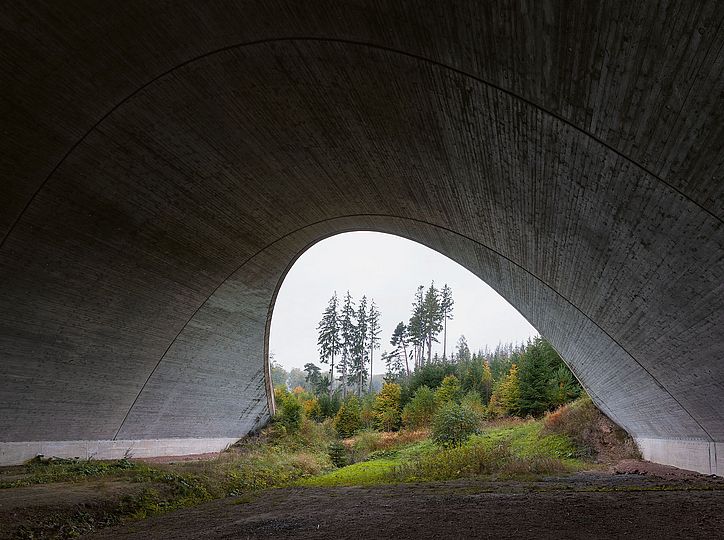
545	380
329	336
386	409
534	376
358	372
446	307
348	333
564	386
373	334
432	318
463	351
415	327
393	362
399	341
315	380
506	397
487	383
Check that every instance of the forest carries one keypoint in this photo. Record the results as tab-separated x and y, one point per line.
527	379
438	412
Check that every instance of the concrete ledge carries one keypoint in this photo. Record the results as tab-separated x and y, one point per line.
700	456
15	453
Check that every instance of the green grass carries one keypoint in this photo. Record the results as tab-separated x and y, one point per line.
526	440
376	471
514	450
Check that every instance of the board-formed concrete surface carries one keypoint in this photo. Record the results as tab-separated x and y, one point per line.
164	165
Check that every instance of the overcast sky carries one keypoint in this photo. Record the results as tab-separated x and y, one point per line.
389	269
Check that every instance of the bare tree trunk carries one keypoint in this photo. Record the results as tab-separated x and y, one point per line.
371	354
444	339
344	382
407	364
331	378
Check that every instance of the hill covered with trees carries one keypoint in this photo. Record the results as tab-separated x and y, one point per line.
526	379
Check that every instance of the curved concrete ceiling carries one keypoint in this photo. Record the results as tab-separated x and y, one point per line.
164	166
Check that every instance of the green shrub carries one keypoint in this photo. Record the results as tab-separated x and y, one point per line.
337	454
289	413
473	400
364	443
348	421
419	411
455	462
453	424
449	391
386	408
431	375
329	406
474	460
312	409
367	415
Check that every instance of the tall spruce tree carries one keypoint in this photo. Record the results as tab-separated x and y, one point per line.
358	372
545	380
315	381
348	333
446	307
373	334
328	339
432	318
462	354
415	327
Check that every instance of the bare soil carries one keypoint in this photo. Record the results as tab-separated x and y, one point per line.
44	508
586	505
633	498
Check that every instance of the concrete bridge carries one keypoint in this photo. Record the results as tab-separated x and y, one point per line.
163	164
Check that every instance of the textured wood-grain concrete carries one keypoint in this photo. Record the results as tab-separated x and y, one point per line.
164	165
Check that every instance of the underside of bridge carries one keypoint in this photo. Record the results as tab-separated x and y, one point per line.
163	165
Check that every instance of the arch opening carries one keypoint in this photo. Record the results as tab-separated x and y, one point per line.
388	269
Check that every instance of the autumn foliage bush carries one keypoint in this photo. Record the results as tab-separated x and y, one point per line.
348	420
593	433
386	409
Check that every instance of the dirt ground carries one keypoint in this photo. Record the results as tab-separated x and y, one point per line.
634	498
586	505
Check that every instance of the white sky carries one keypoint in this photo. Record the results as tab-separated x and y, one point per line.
389	269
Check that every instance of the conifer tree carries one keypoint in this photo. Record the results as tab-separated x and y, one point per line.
534	376
328	340
415	327
358	372
506	397
395	368
399	341
446	307
487	383
373	334
348	333
386	409
432	318
463	350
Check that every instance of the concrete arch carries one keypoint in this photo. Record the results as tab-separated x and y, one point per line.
137	276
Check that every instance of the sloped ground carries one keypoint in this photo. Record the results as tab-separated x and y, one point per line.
495	488
585	505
